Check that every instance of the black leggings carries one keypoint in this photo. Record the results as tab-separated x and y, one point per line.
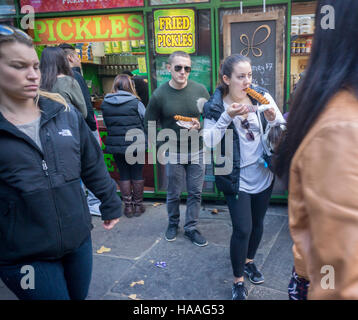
247	216
128	171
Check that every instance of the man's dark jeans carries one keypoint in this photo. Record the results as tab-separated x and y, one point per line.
194	173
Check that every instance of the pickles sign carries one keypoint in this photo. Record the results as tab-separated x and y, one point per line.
88	29
174	30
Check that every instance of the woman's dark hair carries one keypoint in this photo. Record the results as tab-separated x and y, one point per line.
53	62
333	66
125	83
227	67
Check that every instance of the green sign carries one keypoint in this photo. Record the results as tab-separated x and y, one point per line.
174	30
200	72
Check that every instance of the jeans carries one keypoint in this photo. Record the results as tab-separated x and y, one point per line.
247	213
194	183
65	279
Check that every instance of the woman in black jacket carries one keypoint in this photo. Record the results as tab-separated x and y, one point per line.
46	148
123	114
247	187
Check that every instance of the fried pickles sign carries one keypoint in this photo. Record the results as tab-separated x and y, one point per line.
88	29
174	30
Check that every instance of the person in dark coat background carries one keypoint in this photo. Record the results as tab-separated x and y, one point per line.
122	111
75	64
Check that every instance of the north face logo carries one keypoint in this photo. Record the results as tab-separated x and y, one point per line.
65	133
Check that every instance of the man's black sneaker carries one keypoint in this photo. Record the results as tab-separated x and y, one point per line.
196	238
239	292
171	233
255	276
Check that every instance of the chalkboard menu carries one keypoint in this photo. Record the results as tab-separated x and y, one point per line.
261	37
200	72
257	40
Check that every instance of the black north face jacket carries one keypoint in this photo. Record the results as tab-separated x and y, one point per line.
43	209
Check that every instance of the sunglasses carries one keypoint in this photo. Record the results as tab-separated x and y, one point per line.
249	134
186	68
8	31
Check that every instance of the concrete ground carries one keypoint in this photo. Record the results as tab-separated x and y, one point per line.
130	270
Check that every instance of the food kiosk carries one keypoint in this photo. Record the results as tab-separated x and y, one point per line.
138	36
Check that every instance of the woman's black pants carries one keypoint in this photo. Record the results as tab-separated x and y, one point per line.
128	171
247	215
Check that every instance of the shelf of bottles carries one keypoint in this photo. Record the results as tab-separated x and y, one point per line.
302	28
301	45
113	70
115	57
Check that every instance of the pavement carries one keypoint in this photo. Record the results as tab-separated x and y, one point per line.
142	265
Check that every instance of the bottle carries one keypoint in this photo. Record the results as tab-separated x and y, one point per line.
298	48
293	46
302	43
303	46
309	45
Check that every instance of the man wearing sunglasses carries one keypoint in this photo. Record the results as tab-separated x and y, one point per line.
180	96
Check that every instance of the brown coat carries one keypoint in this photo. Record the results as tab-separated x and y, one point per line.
323	200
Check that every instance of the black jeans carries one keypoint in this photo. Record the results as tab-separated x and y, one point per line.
64	279
128	171
247	216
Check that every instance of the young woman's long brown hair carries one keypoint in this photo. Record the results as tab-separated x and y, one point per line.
124	82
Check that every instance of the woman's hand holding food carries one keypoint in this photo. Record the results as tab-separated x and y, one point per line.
237	109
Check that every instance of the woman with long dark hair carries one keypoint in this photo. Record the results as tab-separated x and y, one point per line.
57	77
122	111
318	158
247	188
46	149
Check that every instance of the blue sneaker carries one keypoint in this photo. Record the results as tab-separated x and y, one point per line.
239	292
171	233
195	237
255	276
